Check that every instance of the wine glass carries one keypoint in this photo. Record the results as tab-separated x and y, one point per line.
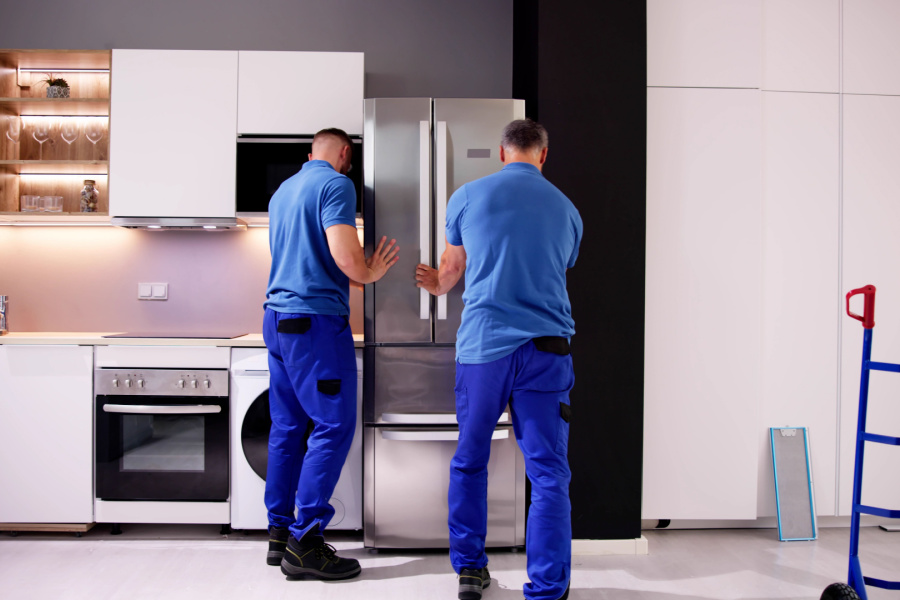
14	129
41	134
93	131
69	130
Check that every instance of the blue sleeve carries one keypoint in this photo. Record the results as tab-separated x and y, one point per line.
456	209
579	230
339	203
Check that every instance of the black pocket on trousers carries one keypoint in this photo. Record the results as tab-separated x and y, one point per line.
565	412
329	386
552	344
298	325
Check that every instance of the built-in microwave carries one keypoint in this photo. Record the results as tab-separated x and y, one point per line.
264	162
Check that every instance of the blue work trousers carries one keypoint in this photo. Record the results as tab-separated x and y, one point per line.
536	386
312	371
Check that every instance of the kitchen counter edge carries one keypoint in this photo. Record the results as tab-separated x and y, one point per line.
251	340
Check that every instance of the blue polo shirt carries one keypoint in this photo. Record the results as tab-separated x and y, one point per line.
520	234
304	277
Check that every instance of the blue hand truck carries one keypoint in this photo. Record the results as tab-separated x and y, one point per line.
855	579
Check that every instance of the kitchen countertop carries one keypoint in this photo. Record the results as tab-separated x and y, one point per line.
67	338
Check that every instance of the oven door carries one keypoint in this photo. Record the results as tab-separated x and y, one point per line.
161	448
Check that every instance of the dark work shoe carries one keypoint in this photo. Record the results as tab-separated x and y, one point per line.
471	582
565	596
312	557
278	537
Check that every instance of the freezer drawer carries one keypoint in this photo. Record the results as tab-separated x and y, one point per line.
406	480
409	380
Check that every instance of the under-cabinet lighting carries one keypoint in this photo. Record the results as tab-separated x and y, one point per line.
209	227
81	175
154	226
30	70
36	224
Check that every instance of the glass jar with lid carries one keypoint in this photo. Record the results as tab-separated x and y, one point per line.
89	196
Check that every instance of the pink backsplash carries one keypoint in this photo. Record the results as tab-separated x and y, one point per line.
85	279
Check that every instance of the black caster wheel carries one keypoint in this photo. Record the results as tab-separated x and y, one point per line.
839	591
78	534
13	534
226	529
116	529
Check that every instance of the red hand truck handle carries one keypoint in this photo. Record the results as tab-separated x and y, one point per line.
868	316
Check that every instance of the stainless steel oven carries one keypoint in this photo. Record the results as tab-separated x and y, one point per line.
161	434
161	442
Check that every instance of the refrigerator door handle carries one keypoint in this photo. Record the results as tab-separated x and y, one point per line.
424	211
429	418
435	436
441	199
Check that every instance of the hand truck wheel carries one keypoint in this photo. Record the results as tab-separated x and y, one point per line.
839	591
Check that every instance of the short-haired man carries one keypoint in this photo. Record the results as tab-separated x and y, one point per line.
315	253
514	235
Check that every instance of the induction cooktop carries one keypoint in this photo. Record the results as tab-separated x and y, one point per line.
204	335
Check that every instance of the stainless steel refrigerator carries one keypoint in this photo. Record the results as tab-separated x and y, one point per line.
417	152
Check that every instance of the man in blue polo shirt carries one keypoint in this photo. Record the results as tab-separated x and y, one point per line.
514	234
315	253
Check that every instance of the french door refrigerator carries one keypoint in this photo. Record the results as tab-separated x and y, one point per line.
417	152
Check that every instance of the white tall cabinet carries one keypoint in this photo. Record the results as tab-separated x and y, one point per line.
172	143
785	250
46	434
703	303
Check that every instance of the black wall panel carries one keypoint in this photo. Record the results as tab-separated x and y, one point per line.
581	67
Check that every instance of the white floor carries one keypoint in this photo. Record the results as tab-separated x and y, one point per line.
197	562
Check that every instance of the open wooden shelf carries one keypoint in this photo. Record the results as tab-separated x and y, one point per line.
81	107
56	167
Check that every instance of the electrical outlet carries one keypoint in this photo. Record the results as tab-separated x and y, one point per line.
153	291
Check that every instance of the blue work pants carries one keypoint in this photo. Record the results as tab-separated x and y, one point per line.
536	386
312	369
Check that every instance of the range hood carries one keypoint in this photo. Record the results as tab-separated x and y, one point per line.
179	223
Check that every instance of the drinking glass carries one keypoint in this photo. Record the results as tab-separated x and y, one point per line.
31	203
52	203
93	130
41	134
13	129
69	130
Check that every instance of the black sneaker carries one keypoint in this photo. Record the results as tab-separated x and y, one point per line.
312	557
278	537
471	582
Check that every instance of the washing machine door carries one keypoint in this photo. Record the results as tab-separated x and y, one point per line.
255	434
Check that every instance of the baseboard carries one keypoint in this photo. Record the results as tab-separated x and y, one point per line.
635	546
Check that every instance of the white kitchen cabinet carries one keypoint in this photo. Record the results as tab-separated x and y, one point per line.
703	304
46	434
801	45
871	47
300	92
801	305
172	143
871	245
704	43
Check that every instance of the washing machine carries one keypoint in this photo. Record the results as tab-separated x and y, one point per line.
250	423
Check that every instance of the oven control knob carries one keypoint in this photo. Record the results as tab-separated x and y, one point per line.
206	383
140	383
115	382
180	383
127	383
193	383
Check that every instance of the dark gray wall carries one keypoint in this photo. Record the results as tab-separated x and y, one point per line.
437	48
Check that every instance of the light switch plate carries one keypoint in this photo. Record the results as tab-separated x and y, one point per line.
153	291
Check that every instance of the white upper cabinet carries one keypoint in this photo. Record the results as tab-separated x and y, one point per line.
300	92
801	187
872	47
703	304
801	45
172	144
704	43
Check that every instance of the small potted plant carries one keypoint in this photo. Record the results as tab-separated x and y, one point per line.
57	87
